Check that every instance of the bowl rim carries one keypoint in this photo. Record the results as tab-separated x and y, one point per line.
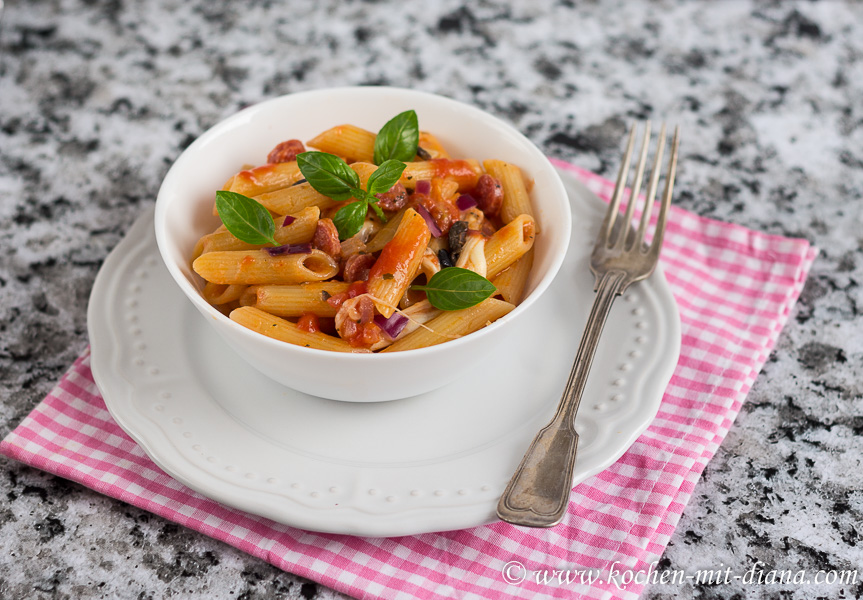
557	257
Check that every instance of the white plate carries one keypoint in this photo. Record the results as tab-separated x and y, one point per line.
433	462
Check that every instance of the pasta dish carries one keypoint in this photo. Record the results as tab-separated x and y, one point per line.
349	266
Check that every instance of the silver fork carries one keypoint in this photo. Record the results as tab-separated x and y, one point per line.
538	493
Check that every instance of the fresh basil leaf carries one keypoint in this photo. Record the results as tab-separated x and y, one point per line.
350	218
385	177
245	218
378	211
328	174
398	139
454	288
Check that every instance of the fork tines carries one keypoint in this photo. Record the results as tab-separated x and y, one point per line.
623	239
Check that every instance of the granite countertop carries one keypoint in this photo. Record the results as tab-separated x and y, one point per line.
98	98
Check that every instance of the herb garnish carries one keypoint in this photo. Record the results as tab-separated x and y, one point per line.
398	139
395	144
246	218
331	176
454	288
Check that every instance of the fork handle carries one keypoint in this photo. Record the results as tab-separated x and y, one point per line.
538	493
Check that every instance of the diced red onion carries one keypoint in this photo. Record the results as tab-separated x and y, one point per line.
290	249
465	202
288	220
435	230
392	326
423	187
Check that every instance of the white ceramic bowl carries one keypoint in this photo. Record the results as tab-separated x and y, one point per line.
184	214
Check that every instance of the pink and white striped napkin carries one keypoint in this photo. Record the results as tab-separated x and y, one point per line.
735	289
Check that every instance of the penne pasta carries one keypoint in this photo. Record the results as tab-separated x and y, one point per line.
429	266
443	189
516	200
508	244
511	281
285	331
432	145
216	293
464	172
198	250
263	179
386	233
351	143
250	267
399	262
298	232
451	325
226	308
364	170
295	300
293	199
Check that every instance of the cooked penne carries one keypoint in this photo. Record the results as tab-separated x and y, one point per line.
285	331
386	233
432	145
226	308
298	232
351	143
399	262
198	250
429	266
251	267
263	179
511	281
451	325
464	172
364	170
508	244
516	200
443	189
293	199
295	300
215	293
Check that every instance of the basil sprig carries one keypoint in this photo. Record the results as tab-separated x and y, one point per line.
454	288
398	139
331	176
246	218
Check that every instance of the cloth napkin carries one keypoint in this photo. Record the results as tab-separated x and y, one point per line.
734	288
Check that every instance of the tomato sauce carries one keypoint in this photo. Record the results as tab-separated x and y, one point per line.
309	322
462	171
354	290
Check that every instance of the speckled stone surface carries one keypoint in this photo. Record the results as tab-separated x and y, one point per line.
97	98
